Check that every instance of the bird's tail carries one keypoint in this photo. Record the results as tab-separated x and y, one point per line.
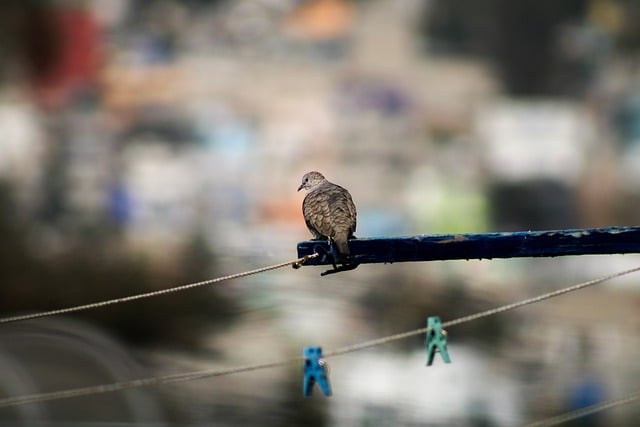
342	244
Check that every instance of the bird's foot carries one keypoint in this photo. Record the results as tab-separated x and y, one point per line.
334	257
333	250
343	267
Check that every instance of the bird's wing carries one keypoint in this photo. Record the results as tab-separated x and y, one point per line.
352	212
315	209
342	210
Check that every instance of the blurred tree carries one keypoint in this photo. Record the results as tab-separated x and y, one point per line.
96	268
54	47
629	37
520	37
536	204
28	40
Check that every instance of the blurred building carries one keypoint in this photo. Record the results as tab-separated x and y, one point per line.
182	119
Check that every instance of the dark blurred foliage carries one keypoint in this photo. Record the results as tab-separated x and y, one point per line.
518	37
93	269
407	303
293	411
276	403
522	39
629	39
542	204
29	41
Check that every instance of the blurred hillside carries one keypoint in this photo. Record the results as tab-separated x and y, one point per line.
156	143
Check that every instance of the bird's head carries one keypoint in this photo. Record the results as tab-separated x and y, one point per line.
310	180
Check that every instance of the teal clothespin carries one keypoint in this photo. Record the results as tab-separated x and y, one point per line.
436	340
314	371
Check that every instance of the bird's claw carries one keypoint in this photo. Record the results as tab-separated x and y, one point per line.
343	267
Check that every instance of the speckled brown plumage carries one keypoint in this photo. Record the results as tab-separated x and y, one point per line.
329	212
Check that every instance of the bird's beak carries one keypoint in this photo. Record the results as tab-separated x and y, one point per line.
300	188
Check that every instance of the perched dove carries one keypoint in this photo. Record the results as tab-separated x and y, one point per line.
329	212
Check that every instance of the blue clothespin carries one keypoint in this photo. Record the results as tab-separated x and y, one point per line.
315	370
436	340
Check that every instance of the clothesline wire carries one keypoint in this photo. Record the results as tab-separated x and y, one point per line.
145	295
142	382
480	315
583	412
174	378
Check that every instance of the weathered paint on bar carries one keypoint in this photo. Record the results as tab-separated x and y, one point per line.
590	241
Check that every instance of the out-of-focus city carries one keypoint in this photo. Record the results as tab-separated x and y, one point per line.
149	144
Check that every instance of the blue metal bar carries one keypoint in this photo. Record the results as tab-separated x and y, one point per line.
609	240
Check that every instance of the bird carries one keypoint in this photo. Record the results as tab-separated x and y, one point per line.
329	212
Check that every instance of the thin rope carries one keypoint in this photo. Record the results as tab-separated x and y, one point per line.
125	385
537	299
296	263
573	415
472	317
42	397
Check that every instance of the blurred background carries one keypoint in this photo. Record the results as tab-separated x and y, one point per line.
149	144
